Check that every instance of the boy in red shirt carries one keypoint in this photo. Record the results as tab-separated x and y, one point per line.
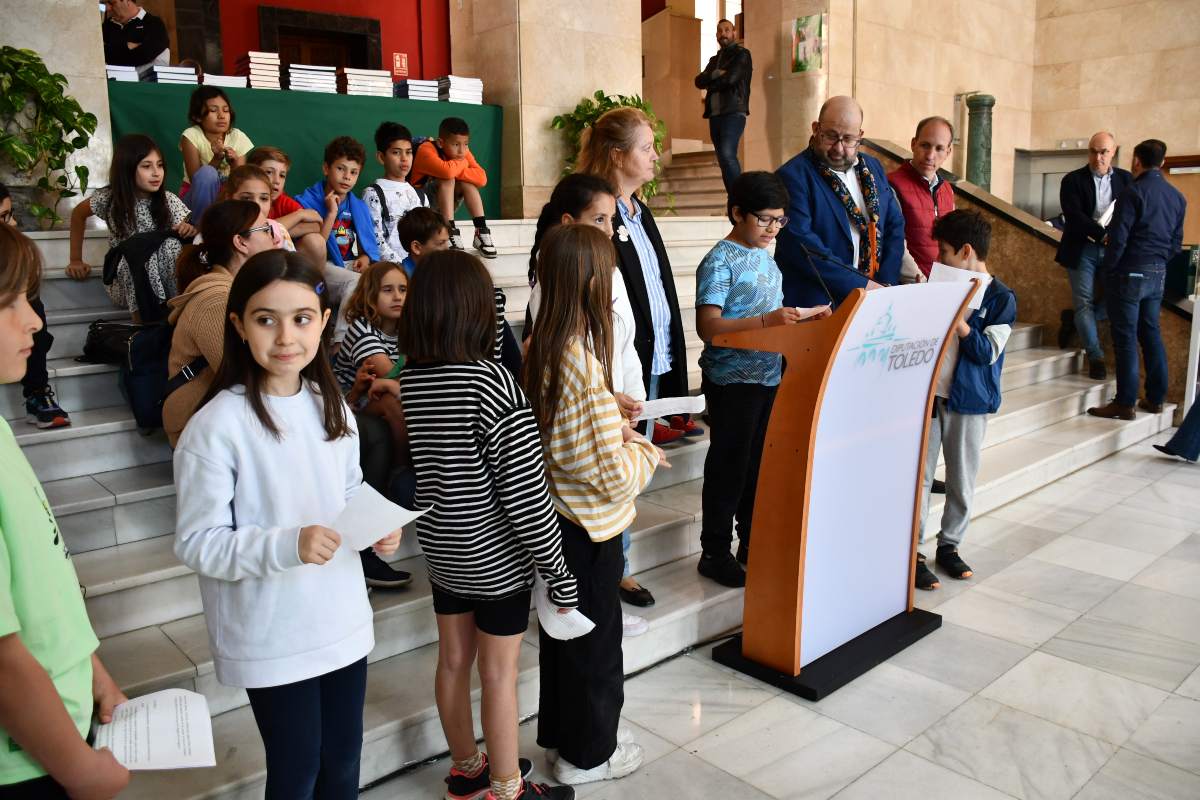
305	226
444	169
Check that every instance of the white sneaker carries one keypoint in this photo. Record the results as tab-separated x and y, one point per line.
624	736
624	760
456	239
483	243
634	625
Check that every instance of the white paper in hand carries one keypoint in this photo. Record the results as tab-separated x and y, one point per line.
944	274
667	406
571	625
170	729
368	517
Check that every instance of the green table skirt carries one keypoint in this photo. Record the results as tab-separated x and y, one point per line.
301	124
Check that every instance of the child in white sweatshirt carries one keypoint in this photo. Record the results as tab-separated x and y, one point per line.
268	461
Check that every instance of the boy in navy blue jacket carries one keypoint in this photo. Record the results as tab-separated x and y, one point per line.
968	389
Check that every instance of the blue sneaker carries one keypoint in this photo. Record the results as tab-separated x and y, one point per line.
42	410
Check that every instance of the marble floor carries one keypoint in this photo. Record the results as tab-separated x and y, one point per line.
1069	667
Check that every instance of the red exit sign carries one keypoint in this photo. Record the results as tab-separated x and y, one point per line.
400	64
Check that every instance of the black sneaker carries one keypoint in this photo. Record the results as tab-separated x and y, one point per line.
724	569
461	787
1097	371
743	552
42	410
543	791
380	574
925	579
937	487
456	239
1066	329
484	243
948	559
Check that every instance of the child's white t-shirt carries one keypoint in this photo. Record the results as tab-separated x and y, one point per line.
400	197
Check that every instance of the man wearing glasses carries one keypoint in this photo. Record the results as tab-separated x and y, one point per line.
845	229
1086	197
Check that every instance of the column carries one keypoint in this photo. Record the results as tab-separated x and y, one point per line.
979	140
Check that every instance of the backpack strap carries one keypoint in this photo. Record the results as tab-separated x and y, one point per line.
383	206
185	375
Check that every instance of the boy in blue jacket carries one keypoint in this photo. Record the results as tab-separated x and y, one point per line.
350	244
968	389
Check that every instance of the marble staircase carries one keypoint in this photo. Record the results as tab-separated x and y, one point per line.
691	185
111	488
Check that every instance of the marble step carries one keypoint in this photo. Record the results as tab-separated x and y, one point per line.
55	246
1019	466
61	292
98	440
69	327
400	717
1036	364
77	386
670	183
684	172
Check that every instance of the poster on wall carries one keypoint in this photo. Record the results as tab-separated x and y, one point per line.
808	42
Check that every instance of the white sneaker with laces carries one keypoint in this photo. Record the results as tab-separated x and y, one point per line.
483	243
624	760
634	625
456	239
624	736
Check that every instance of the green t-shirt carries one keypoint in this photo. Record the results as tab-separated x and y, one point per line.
40	600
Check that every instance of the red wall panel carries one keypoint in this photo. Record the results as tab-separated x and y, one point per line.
420	28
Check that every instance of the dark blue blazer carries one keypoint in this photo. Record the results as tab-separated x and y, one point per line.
818	219
1077	197
1147	225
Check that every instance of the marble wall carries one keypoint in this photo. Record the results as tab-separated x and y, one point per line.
538	58
1129	66
70	43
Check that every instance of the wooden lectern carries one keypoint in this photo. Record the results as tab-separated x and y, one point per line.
829	590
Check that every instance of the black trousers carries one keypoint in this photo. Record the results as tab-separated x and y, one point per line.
36	376
583	680
737	417
312	731
43	788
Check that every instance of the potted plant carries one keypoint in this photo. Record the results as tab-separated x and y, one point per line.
40	128
590	109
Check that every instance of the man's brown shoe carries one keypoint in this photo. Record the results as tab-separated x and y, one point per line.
1113	411
1153	408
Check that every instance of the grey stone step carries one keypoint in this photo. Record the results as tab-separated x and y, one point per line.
672	183
62	293
98	440
55	246
1036	364
77	386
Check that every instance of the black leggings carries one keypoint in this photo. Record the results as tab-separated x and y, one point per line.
312	731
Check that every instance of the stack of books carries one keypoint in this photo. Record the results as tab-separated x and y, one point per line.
233	81
260	69
417	90
155	73
454	89
312	78
372	82
118	73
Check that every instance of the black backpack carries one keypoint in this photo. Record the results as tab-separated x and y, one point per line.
143	376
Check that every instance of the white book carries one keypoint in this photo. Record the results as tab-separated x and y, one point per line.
311	68
234	81
124	77
942	273
368	73
119	68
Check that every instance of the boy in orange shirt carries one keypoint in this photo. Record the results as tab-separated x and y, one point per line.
444	169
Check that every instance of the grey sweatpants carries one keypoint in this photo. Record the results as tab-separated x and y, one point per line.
960	437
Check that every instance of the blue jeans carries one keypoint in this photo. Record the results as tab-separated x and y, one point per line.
1083	295
1134	299
726	131
626	540
205	185
1186	441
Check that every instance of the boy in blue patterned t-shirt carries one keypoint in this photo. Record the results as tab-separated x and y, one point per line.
739	287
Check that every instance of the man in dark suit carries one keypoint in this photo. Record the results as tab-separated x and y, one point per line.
845	229
1146	232
1085	196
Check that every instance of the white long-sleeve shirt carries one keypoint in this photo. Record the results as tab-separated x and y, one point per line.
242	498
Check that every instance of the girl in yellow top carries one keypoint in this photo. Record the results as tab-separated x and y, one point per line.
211	147
596	466
50	676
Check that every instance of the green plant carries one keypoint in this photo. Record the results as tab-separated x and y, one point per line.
589	110
42	127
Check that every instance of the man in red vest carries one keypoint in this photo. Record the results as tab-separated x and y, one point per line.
923	194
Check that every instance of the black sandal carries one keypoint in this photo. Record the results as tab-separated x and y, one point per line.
925	579
948	559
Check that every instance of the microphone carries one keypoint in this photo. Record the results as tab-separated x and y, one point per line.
809	255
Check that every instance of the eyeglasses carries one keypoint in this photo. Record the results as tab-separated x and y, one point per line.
848	140
765	221
6	218
246	233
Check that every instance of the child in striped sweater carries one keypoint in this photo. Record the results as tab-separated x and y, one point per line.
474	445
597	466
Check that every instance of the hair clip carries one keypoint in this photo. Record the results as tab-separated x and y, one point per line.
319	288
203	257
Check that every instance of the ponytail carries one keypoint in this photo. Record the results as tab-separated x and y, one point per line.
221	222
571	195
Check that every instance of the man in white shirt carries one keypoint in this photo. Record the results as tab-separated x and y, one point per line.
133	38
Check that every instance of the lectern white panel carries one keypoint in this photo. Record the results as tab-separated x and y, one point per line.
866	458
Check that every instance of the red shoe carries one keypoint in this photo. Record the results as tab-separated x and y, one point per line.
665	435
686	425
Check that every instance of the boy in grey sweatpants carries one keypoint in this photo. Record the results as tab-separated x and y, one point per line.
968	390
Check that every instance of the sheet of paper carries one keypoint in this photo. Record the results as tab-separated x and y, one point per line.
170	729
667	406
1107	215
567	626
944	274
368	517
